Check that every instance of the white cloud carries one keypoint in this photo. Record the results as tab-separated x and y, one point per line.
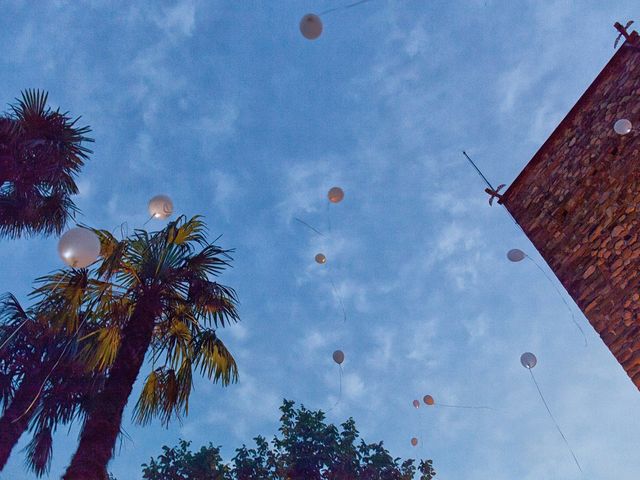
178	19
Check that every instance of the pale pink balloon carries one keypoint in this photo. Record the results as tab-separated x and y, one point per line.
414	441
160	207
622	126
79	247
416	403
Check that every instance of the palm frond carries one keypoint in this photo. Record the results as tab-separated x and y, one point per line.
39	451
213	358
216	303
185	383
11	312
32	104
182	231
60	296
177	343
100	347
151	398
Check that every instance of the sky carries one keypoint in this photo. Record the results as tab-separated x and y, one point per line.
225	107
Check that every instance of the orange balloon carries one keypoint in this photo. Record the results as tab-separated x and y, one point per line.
320	258
428	399
414	441
336	194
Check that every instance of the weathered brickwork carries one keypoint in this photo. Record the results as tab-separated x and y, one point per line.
578	200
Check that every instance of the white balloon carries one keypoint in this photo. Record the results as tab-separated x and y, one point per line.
160	206
622	126
338	357
528	360
311	26
79	247
515	255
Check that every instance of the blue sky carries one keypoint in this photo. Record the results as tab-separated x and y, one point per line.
225	107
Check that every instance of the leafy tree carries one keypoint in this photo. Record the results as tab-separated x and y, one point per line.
153	295
41	151
306	449
179	463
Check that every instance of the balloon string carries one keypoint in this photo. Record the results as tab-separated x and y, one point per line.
148	220
464	406
573	318
340	391
554	420
308	226
335	290
22	324
345	7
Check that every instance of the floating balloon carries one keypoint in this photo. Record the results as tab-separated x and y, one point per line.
320	258
338	357
79	247
416	403
515	255
428	400
160	206
414	441
528	360
336	194
311	26
622	126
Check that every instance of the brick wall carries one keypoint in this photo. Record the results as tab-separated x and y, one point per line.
578	200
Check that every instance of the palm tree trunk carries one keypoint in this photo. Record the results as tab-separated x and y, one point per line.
15	419
102	426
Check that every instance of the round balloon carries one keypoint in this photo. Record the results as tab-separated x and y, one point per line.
338	357
528	360
320	258
622	126
160	206
428	399
414	441
336	194
515	255
79	247
416	403
311	26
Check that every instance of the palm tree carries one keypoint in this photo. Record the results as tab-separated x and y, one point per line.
43	383
21	371
162	302
41	151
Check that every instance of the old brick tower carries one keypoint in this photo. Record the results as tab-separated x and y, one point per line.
578	201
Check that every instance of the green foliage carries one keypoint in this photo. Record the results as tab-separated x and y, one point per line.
307	448
179	463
